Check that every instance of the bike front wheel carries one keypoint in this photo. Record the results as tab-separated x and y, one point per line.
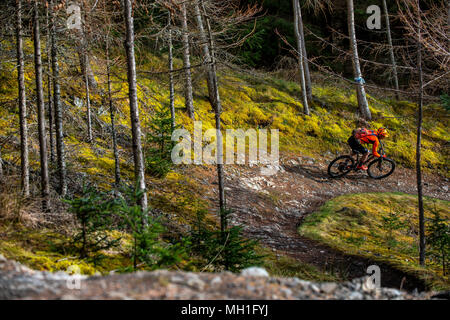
381	168
340	166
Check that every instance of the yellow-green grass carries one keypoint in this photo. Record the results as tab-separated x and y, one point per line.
354	224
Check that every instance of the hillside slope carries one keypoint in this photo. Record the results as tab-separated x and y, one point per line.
268	207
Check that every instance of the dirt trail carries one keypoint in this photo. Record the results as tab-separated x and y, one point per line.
270	208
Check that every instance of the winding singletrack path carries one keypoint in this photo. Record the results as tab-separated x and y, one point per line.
270	208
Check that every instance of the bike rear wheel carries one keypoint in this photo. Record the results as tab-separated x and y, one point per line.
340	166
381	168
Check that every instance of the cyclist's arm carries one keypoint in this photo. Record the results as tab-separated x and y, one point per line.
376	143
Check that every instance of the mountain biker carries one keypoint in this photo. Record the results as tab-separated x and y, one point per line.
363	135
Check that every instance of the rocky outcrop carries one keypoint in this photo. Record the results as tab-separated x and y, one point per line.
19	282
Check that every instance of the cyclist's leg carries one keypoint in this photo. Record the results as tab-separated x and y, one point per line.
361	164
357	147
365	156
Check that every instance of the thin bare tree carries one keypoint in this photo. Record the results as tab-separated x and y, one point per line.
24	163
205	50
45	189
1	163
88	106
171	81
49	86
301	58
418	150
304	54
112	113
60	153
188	91
84	54
134	108
391	48
209	15
360	91
217	106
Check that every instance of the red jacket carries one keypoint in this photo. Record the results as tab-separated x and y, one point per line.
372	138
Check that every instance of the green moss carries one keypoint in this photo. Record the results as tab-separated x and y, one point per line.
47	250
354	224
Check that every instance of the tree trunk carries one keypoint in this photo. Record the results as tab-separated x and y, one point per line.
49	89
391	48
217	110
171	83
189	99
448	12
301	68
134	111
361	93
112	112
40	106
418	147
25	173
84	51
1	163
85	65
88	107
206	54
304	53
61	163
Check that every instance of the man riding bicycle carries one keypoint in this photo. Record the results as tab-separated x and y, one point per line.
363	135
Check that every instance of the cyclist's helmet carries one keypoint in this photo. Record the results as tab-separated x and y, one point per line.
382	133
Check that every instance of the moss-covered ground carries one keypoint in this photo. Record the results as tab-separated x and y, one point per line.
47	250
249	101
379	226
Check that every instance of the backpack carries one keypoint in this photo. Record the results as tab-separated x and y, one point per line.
360	133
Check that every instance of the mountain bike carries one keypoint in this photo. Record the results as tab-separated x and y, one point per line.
377	168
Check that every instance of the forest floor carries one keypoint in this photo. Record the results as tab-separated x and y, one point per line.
268	207
272	207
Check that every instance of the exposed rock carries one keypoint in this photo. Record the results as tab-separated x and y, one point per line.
328	287
19	282
254	272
